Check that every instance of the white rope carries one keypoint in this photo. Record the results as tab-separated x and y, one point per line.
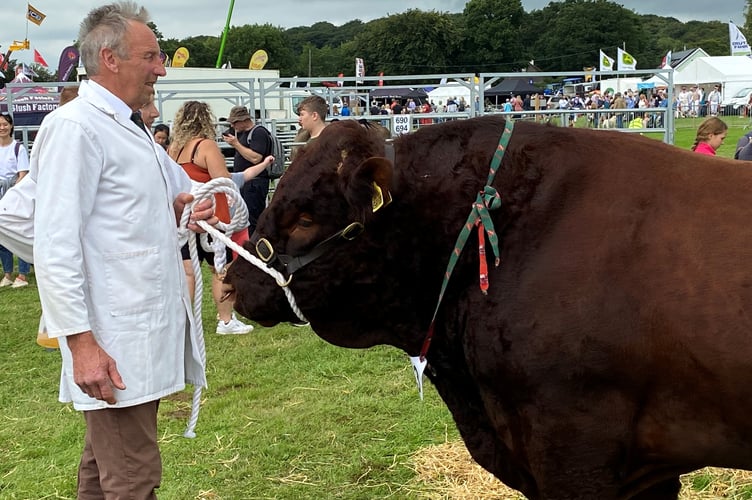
220	240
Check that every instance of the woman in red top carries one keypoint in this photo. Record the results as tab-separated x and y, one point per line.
194	147
710	136
426	108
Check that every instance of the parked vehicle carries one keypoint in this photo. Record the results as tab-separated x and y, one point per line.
734	104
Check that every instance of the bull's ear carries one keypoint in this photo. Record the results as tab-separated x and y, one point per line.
377	172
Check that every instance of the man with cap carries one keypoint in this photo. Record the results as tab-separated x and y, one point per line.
252	144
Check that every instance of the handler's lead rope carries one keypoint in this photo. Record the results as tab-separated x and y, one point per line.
220	239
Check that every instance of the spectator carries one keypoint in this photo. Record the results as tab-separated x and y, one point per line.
194	148
619	103
714	100
252	145
683	100
68	94
312	115
710	136
744	147
14	165
149	112
162	135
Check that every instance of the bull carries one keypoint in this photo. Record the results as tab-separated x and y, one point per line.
611	352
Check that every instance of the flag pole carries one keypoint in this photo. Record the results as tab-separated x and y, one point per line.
224	34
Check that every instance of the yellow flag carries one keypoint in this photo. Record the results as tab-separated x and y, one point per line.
258	60
34	15
180	57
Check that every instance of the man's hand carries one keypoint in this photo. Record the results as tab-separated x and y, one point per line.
202	211
230	139
94	371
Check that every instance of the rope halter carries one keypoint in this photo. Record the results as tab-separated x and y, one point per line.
221	239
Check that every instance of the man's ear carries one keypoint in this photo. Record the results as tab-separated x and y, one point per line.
109	59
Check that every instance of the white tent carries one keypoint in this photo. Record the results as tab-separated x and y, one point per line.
453	89
732	72
719	69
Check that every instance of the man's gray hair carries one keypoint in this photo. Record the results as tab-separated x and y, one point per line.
105	27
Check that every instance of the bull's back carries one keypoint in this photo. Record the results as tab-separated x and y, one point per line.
638	275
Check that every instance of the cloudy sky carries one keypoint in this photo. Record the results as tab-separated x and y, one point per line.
183	18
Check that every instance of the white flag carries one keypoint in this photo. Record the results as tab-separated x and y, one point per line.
607	63
626	61
666	62
739	45
360	69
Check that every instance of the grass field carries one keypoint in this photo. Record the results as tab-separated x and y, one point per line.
286	416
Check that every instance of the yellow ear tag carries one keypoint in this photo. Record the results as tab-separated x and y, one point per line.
380	199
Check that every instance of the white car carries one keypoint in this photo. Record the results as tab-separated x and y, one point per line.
738	100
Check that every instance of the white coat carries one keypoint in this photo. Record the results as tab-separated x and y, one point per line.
106	248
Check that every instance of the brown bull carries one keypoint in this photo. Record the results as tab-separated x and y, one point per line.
613	350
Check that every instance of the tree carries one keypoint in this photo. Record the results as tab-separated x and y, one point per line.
157	33
492	41
413	42
324	61
202	50
488	36
566	36
243	41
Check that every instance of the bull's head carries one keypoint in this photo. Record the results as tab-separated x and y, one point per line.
339	186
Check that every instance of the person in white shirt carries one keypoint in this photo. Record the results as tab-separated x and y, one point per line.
107	256
714	100
14	164
684	97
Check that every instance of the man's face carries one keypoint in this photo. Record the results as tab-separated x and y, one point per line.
306	119
135	75
149	113
242	125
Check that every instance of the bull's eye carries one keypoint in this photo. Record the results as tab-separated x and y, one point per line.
264	250
305	222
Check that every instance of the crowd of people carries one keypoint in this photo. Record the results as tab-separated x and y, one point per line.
693	102
603	110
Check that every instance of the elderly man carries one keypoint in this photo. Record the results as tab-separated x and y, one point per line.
107	256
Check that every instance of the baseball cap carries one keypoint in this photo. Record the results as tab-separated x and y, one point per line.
238	114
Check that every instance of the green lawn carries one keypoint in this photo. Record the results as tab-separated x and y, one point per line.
286	416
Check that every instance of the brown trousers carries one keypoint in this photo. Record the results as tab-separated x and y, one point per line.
121	456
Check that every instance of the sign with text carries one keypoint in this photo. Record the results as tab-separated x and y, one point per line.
401	124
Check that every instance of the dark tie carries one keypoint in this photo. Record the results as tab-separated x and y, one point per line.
136	118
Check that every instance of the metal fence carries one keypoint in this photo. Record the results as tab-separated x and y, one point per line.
480	101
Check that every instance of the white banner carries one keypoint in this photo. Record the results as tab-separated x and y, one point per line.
626	61
666	62
607	63
360	70
739	45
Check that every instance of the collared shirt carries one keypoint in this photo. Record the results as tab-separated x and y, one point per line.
106	247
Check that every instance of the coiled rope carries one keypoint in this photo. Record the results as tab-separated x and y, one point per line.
220	240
